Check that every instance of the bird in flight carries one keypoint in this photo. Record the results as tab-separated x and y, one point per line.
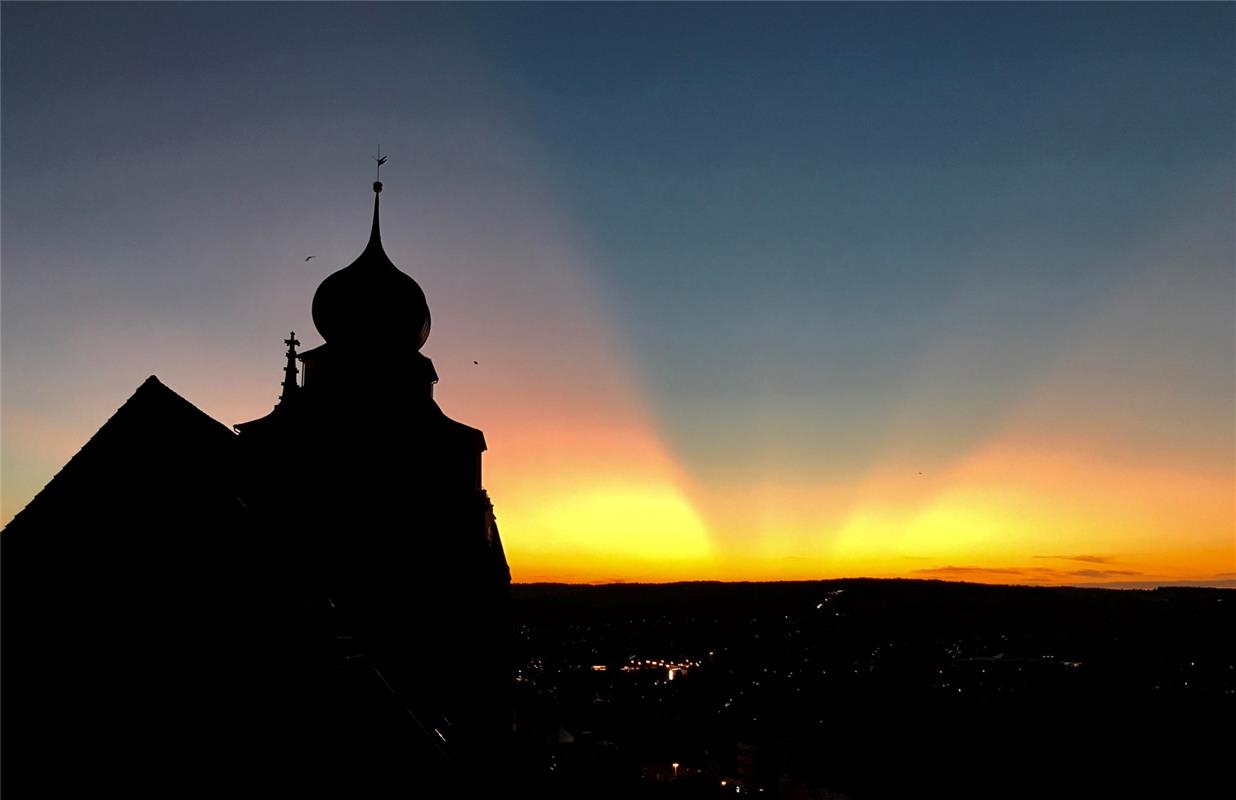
309	257
474	362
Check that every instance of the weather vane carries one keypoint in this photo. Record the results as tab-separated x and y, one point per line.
381	159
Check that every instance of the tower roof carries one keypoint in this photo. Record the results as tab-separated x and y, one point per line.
371	301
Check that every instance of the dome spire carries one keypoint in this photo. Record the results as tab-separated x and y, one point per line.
371	300
375	234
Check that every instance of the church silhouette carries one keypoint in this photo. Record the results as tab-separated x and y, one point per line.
316	604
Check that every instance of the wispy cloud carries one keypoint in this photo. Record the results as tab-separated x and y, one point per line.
951	570
1103	573
1089	559
1034	574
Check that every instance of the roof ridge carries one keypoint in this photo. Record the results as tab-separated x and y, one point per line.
151	391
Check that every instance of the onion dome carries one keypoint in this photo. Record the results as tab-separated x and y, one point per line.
371	301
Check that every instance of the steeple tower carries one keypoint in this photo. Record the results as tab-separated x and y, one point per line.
373	497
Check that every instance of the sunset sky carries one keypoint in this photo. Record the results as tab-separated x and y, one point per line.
754	292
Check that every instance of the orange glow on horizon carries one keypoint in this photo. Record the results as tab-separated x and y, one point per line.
1014	511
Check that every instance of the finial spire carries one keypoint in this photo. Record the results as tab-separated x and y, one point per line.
375	233
290	386
375	236
377	173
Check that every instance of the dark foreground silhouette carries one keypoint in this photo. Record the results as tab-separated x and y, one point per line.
318	606
875	689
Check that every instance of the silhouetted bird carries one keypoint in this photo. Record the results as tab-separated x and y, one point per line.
474	363
309	257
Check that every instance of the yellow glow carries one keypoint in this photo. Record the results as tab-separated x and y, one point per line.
1015	511
610	532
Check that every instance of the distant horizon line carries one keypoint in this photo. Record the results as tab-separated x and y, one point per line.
1221	583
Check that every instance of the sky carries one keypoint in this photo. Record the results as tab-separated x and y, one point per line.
754	291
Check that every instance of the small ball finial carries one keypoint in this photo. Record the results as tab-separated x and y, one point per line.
377	186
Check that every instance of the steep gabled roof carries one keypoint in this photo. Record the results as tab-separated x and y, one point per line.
123	582
155	430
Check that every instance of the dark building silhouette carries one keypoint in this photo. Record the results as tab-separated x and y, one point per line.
317	604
